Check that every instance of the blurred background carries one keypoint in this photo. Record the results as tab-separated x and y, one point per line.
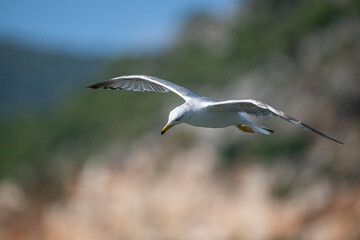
82	164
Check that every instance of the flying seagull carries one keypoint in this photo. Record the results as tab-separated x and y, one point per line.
204	111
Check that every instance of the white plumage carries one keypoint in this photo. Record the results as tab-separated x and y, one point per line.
204	111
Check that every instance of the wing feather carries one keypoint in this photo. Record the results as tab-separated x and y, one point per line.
142	83
257	109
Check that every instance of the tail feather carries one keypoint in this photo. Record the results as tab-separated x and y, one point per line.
267	129
261	129
256	127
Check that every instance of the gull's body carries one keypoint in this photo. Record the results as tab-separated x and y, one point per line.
201	114
204	111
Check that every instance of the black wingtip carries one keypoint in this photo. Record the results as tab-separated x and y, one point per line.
337	141
307	127
98	85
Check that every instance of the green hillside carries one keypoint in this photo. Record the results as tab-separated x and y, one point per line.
33	79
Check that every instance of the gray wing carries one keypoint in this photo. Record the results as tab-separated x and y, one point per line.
257	108
142	83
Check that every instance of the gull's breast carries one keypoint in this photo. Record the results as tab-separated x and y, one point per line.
213	119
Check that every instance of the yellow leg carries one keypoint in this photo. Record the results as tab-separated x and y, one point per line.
245	128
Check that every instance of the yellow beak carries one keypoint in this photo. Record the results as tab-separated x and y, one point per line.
167	127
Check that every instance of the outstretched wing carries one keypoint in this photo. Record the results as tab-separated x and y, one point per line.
257	108
142	83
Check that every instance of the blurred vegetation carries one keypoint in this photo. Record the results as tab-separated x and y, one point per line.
34	79
273	26
86	120
265	150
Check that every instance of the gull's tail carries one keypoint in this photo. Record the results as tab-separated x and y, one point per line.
261	129
253	127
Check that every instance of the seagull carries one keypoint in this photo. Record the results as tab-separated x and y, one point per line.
206	112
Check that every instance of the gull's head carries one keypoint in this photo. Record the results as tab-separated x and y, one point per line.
177	115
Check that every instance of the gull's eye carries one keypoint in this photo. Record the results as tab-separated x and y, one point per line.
176	120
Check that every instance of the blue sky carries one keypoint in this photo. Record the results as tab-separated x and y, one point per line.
101	27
